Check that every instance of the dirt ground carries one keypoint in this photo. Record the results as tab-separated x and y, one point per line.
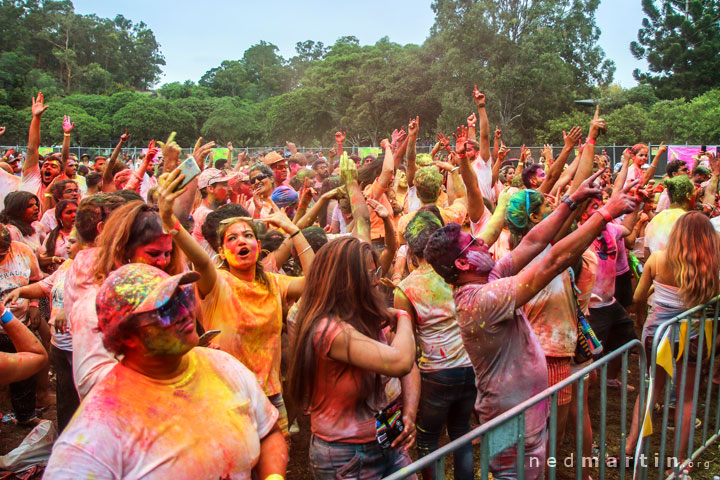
706	467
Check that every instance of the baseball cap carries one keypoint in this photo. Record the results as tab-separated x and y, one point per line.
212	175
136	288
272	157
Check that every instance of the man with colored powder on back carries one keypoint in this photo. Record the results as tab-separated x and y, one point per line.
507	358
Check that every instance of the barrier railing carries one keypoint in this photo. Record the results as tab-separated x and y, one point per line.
673	345
508	430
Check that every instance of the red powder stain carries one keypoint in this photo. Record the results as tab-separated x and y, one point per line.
442	352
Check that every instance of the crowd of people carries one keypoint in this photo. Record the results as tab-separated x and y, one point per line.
189	316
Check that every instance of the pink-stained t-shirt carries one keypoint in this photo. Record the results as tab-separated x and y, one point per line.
8	183
18	268
586	280
342	405
249	316
509	363
54	287
199	216
438	332
553	315
207	422
606	249
91	360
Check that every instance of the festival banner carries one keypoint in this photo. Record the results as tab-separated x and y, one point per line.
45	151
687	154
365	151
219	153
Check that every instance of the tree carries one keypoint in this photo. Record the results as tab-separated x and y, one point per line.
679	40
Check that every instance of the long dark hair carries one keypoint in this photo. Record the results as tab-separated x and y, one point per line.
342	290
55	233
14	213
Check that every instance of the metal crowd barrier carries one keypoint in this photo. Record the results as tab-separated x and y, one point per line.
700	326
508	430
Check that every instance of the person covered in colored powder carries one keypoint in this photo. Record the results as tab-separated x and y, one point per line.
141	421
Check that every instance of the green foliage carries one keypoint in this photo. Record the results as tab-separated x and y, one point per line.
679	39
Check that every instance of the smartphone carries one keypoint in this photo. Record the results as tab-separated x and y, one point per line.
190	169
207	337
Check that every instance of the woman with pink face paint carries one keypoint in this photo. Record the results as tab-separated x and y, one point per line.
240	298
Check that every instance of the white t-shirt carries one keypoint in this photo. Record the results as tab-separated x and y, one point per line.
48	220
205	423
337	216
8	183
32	181
483	171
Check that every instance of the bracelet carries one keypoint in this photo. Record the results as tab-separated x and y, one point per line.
569	202
6	317
175	229
67	134
305	250
481	105
275	476
608	218
590	140
471	125
49	195
455	169
298	231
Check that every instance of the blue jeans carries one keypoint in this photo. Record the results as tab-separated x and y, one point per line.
356	461
447	398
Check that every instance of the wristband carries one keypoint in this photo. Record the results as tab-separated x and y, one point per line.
471	125
49	195
569	201
608	218
454	169
67	134
481	105
590	140
175	229
298	231
275	476
6	317
34	303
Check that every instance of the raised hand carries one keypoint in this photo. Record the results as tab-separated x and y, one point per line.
479	97
2	131
38	105
67	125
348	169
444	141
167	193
461	140
229	146
384	143
547	152
622	202
503	152
202	152
714	163
340	136
125	136
588	188
573	137
151	153
661	149
379	208
498	132
472	120
597	124
414	126
524	153
444	165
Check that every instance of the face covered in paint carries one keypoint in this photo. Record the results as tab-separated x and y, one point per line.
156	253
240	248
474	257
593	207
280	171
67	217
219	190
169	330
50	169
401	179
641	157
32	211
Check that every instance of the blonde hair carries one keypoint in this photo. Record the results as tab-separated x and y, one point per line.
693	254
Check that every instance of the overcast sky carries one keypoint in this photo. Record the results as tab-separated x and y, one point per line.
196	36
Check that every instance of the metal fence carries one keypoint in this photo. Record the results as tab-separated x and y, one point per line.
508	430
614	152
685	346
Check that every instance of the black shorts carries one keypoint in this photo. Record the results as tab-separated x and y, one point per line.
623	289
612	326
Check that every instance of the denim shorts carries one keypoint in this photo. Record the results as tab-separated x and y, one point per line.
356	461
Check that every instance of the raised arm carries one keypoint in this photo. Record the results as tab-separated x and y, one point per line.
399	152
67	129
712	186
360	212
107	181
411	151
495	225
339	139
137	176
483	124
497	165
33	151
566	252
193	251
556	170
650	172
543	233
496	146
471	125
388	167
475	204
184	203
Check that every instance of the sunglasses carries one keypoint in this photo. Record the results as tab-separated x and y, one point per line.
473	239
175	308
259	178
